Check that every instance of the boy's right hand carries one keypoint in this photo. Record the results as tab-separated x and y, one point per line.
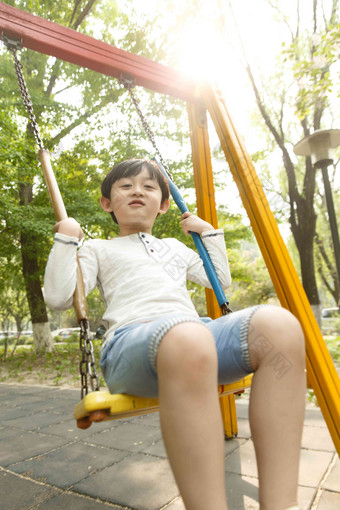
69	227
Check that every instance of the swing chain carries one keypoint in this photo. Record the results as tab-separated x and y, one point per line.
13	45
87	364
129	85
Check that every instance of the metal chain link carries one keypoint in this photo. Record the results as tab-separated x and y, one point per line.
13	45
87	365
129	85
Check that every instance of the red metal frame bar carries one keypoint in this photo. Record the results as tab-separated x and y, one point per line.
64	43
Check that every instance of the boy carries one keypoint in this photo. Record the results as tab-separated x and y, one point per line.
156	345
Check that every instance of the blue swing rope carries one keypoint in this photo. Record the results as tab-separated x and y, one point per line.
129	84
208	265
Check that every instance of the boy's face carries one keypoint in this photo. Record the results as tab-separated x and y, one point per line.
136	202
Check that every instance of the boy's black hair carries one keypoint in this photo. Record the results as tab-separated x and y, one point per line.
134	167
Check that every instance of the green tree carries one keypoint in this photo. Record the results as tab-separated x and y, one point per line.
42	76
26	209
91	115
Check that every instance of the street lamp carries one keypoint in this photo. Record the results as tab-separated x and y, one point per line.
319	146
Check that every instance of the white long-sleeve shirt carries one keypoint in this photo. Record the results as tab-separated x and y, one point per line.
139	276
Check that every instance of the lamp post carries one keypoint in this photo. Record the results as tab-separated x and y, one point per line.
319	146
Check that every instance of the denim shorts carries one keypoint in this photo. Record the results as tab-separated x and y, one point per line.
128	361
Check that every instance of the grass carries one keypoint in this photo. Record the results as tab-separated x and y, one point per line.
57	368
333	345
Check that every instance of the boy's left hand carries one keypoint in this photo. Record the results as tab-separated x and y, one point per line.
192	223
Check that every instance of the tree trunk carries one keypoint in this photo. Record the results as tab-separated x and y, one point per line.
331	272
303	225
42	336
305	243
5	326
29	250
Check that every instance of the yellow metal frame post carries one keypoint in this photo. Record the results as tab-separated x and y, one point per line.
320	367
206	208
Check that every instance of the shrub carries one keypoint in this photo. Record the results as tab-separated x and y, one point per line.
73	338
25	340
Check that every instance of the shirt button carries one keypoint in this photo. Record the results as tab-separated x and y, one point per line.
143	235
152	250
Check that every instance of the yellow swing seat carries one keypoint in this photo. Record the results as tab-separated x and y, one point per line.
102	405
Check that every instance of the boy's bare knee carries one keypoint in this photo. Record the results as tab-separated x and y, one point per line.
187	351
275	330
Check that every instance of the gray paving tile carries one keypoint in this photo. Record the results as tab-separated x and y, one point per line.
69	429
313	465
21	389
148	419
20	445
243	429
19	494
314	417
242	491
7	433
139	481
317	438
40	392
34	421
69	464
157	449
49	405
332	482
127	436
72	393
3	388
11	413
64	398
329	501
306	496
242	406
243	460
68	501
232	444
13	399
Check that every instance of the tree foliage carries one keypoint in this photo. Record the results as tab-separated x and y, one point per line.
294	102
88	123
66	98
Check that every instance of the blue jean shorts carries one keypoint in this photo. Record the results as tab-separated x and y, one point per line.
128	361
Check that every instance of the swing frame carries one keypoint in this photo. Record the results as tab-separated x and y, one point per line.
52	39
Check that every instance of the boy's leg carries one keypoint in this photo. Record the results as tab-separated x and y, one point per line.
277	403
190	415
